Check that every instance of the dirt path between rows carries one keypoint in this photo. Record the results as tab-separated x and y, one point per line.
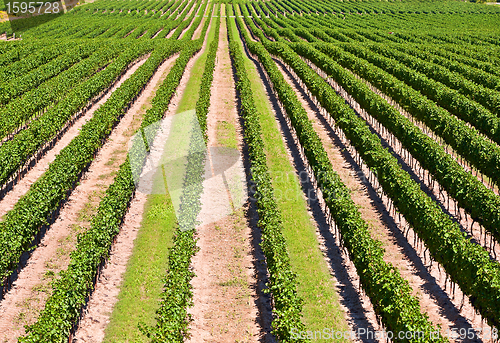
171	33
435	300
432	187
226	303
29	292
197	32
97	315
449	296
192	22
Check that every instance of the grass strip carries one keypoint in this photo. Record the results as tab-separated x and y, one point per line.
307	261
138	298
390	294
287	305
172	317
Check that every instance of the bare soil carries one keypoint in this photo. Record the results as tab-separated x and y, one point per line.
448	294
191	23
23	186
99	308
197	32
379	226
432	187
226	304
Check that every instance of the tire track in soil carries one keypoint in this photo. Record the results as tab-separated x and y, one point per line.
92	326
29	291
226	295
428	286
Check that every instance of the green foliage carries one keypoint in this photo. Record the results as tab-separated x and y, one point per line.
467	263
457	71
45	196
38	97
203	102
431	81
44	128
172	319
63	308
200	11
34	60
389	292
185	23
470	193
287	309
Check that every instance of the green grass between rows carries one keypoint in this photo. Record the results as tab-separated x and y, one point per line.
143	280
315	284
